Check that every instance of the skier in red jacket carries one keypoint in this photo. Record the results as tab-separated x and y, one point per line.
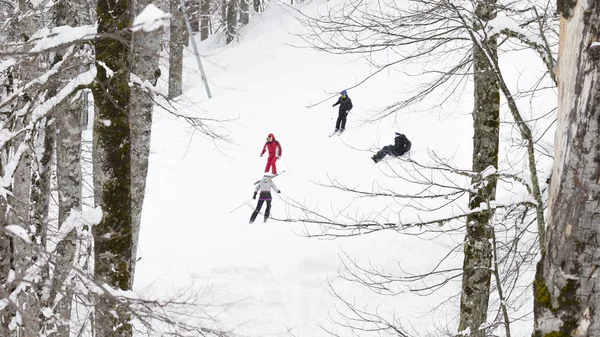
274	152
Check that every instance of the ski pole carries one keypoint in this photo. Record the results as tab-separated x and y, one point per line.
284	163
235	209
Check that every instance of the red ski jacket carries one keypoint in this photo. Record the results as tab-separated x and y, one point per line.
273	147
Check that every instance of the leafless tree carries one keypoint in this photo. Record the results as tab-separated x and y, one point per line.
145	56
566	303
231	29
48	265
204	18
178	38
486	126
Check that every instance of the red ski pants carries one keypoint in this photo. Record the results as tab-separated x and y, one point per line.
271	163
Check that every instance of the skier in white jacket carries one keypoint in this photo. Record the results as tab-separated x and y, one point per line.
265	185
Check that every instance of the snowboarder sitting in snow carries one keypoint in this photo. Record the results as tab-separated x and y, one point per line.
265	185
274	152
345	104
400	147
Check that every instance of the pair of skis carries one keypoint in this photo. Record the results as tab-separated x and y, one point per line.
273	176
338	132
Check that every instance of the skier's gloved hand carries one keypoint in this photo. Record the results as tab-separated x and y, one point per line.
261	154
254	196
278	191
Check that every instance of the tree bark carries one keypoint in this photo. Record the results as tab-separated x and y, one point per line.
193	10
145	50
567	302
486	124
204	19
69	133
5	256
23	254
245	11
40	199
66	133
232	20
112	170
177	40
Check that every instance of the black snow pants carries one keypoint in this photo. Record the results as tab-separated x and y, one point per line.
258	207
341	121
386	150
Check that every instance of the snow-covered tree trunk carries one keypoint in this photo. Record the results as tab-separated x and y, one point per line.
177	40
145	50
223	15
486	123
40	191
245	11
112	171
204	19
193	10
256	4
69	190
40	198
66	132
23	254
232	20
567	300
5	258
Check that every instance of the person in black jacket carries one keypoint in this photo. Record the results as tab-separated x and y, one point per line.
345	104
400	147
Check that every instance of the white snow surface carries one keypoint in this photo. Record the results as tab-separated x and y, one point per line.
19	232
48	38
269	279
149	19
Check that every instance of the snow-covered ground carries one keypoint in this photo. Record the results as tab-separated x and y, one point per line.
276	279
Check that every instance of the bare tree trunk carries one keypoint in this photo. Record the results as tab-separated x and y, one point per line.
146	50
5	258
223	15
245	11
23	254
112	171
193	10
69	132
567	301
178	38
65	132
40	199
232	20
256	4
486	124
204	19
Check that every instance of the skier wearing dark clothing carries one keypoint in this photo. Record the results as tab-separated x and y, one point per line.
400	147
265	185
345	104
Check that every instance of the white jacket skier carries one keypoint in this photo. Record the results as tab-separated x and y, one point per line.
264	185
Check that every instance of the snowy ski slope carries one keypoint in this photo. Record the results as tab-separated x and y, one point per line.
278	278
